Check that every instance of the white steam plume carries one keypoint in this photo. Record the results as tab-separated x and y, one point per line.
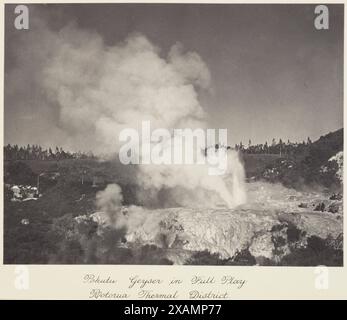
97	90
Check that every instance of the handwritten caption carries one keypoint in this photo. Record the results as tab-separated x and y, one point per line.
139	287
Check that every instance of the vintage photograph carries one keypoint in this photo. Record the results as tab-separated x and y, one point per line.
173	134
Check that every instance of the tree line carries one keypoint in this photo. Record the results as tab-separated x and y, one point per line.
276	147
36	152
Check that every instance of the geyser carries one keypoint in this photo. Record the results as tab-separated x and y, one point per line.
99	89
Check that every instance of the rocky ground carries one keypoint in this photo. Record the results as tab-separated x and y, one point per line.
275	223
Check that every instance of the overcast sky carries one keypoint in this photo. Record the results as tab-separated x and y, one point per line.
272	73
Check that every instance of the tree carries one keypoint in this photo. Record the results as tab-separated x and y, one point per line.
241	145
280	144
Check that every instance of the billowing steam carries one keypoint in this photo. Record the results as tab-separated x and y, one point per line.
96	90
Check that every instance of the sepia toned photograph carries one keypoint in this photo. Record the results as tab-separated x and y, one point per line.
173	134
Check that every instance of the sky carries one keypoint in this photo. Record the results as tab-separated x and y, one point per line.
271	73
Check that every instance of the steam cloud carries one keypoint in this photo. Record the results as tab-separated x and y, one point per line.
96	90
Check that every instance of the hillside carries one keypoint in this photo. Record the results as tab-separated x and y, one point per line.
312	165
50	214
